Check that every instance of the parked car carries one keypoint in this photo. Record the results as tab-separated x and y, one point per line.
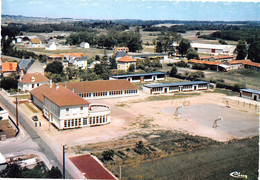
35	118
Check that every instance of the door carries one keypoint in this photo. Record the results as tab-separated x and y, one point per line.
195	88
153	78
255	97
165	90
180	89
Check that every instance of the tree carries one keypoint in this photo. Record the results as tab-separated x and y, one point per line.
159	47
131	68
12	171
242	49
54	173
102	71
184	46
54	67
112	61
108	155
192	54
8	83
253	51
173	71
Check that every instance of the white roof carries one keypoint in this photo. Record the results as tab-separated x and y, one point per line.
214	46
2	159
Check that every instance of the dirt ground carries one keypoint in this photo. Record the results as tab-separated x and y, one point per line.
135	114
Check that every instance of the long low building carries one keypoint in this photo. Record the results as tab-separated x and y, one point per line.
102	88
66	110
149	55
158	76
175	87
250	94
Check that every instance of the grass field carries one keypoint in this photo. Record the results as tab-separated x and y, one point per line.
214	162
247	76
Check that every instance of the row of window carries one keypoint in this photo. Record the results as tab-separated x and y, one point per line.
68	109
174	88
130	91
100	94
187	87
115	93
247	94
157	89
202	85
92	121
83	95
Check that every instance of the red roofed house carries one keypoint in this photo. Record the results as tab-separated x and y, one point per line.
125	62
30	81
8	67
91	167
66	110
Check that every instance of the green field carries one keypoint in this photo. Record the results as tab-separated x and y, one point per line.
214	162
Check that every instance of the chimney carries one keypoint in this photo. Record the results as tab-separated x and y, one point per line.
50	83
57	86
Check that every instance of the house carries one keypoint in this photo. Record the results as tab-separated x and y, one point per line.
84	45
6	68
35	43
30	81
125	62
51	46
102	88
63	56
30	66
80	62
123	49
65	110
213	65
250	94
175	87
158	76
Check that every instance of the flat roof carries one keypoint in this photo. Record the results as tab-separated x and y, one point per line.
176	84
251	91
132	75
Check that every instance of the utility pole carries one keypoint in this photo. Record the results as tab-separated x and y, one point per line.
64	147
16	112
119	173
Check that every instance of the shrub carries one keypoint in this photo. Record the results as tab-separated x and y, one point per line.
199	66
108	155
173	71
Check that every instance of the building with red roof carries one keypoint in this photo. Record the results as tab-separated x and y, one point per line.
91	167
30	81
67	110
125	62
7	68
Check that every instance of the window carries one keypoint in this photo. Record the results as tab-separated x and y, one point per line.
38	84
32	85
65	123
67	110
90	120
97	119
81	108
68	123
85	121
94	120
72	122
76	122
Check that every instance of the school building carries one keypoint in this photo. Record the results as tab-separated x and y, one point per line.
175	87
250	94
158	76
102	88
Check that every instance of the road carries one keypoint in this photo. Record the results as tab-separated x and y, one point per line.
43	147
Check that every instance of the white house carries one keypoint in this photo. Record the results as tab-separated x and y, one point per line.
80	62
51	46
30	81
175	87
250	94
84	45
125	62
35	43
158	76
65	110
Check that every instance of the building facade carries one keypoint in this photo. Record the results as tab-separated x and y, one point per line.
158	76
65	110
250	94
102	89
125	62
175	87
30	81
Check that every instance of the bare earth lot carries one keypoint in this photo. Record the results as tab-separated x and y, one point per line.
137	114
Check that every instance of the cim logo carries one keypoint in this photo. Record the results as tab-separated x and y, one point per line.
236	174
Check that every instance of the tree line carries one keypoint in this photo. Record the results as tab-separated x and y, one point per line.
130	39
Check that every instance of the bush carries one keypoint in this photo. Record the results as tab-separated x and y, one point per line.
181	64
108	155
199	66
173	71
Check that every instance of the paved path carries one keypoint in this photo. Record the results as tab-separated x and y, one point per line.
45	145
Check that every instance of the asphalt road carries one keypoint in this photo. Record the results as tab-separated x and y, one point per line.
43	146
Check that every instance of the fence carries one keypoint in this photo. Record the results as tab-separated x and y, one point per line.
242	104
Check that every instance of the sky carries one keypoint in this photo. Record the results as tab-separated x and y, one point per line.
232	10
